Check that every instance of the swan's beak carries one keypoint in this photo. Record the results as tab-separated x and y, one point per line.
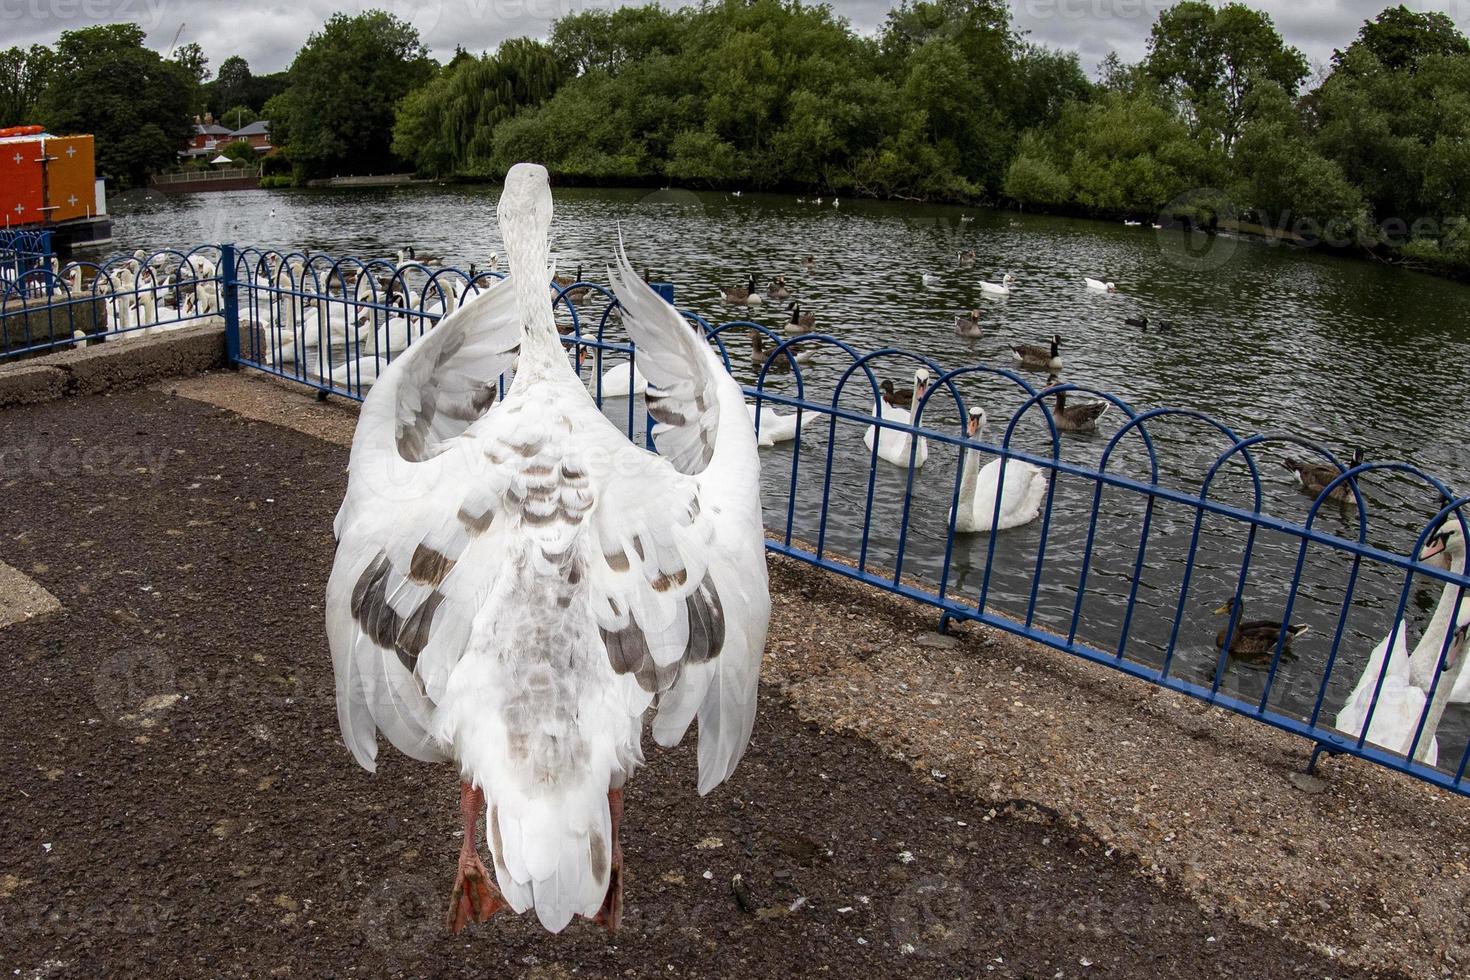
1435	546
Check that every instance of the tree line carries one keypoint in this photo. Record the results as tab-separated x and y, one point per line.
1221	121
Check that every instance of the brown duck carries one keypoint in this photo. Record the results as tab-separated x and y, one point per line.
1255	638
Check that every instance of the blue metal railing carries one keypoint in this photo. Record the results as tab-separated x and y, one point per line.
1129	543
49	307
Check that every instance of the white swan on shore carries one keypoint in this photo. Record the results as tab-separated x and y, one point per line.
1020	496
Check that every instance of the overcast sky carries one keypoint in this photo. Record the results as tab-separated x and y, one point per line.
268	32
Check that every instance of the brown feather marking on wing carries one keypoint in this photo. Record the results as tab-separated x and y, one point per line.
429	567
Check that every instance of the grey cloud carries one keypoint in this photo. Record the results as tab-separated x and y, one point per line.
268	34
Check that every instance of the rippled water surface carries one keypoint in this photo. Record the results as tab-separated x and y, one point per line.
1264	339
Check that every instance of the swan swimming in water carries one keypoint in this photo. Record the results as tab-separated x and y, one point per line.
1020	496
1403	698
895	446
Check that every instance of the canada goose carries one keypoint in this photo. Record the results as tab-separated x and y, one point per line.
800	322
966	258
1038	357
778	289
968	326
1313	478
1137	321
1078	416
423	258
742	295
1257	637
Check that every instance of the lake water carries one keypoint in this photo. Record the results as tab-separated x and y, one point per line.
1265	339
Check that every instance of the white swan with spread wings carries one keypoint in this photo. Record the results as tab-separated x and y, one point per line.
516	584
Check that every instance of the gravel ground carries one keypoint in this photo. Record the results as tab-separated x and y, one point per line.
178	802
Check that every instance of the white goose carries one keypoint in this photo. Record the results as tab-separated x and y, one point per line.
1447	550
894	445
1020	496
516	584
774	427
1099	285
1002	288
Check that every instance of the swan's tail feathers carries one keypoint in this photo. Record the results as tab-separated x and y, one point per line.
552	851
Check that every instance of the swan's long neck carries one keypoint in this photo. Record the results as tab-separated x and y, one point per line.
970	465
525	224
1431	646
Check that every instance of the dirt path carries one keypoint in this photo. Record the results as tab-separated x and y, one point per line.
176	800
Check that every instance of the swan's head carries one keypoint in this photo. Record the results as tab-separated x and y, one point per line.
1008	279
1446	547
921	383
976	423
525	206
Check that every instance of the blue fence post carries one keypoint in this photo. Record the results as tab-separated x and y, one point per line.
664	289
231	303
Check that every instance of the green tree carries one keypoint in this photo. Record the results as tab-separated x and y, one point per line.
232	86
1286	183
1399	38
1398	128
130	98
447	125
24	75
337	115
1211	58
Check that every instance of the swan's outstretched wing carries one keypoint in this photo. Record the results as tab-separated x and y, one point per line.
680	597
402	592
682	573
682	371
